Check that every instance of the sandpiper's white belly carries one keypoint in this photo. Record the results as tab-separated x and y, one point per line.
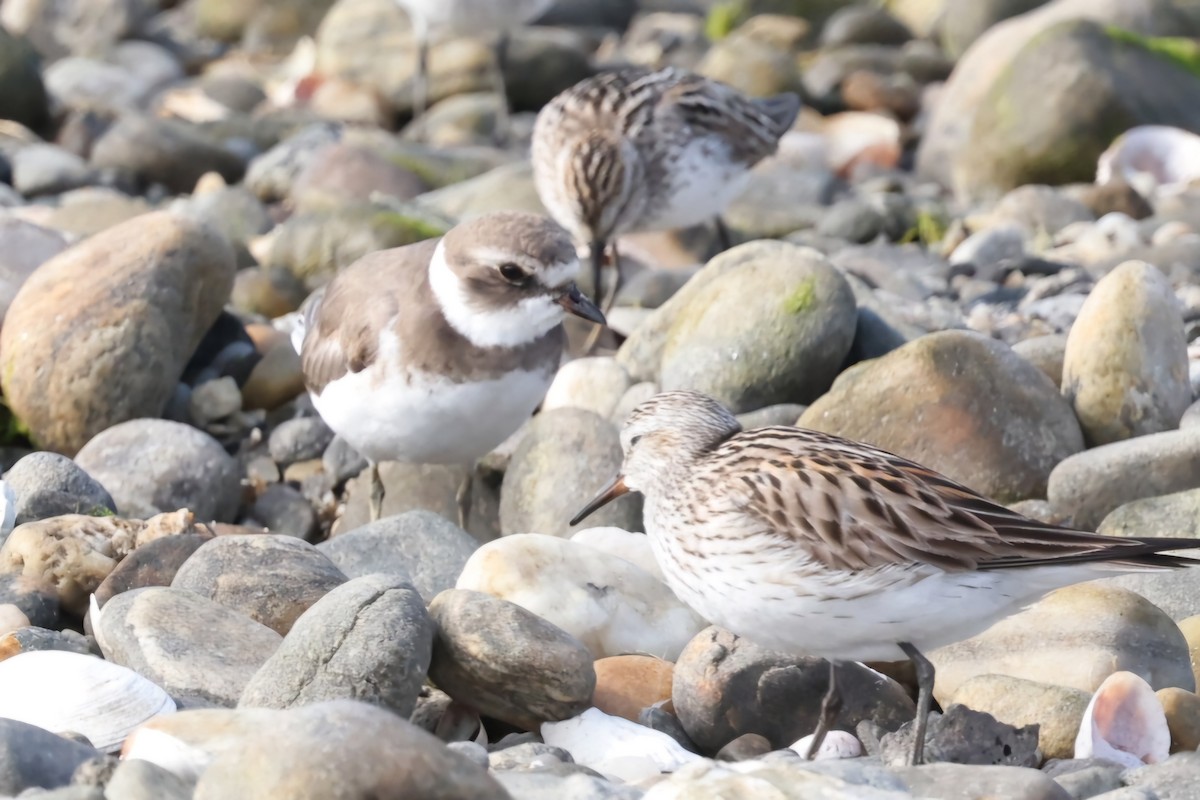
703	182
784	603
427	419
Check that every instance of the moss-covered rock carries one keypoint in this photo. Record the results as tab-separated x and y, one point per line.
1064	98
314	246
774	330
1068	73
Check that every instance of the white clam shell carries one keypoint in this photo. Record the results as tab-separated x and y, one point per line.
837	744
1125	723
61	691
616	747
8	510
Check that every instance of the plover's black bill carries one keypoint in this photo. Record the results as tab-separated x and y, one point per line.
576	303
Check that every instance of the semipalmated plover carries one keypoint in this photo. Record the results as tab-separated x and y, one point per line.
436	352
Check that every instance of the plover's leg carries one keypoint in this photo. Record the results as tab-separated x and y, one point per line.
463	497
724	239
831	705
500	51
375	499
925	674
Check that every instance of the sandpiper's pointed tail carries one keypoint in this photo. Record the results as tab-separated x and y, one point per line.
782	109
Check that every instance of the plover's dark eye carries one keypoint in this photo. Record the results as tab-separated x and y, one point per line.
512	273
635	440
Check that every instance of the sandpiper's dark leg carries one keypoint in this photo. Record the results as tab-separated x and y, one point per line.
925	674
604	296
610	294
375	499
421	80
724	239
831	706
596	252
500	134
463	497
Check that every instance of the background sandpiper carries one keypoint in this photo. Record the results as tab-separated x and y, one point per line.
468	18
637	150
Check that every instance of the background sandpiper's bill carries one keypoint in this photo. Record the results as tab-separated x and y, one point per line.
438	351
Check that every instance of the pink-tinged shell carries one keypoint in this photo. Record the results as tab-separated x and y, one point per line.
1151	157
1125	723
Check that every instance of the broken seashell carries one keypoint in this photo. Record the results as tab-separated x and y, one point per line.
1124	723
616	747
61	691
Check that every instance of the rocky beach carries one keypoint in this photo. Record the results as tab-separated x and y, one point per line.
978	248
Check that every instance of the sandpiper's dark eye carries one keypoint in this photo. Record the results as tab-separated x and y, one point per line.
512	273
635	440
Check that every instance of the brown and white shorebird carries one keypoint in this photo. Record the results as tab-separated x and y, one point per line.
437	351
495	18
642	150
813	544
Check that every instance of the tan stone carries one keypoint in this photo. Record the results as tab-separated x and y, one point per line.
74	553
1125	369
1057	710
1183	718
1191	632
101	333
275	380
960	403
1075	637
626	684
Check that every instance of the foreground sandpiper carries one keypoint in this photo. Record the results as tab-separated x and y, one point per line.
641	150
494	18
438	351
816	545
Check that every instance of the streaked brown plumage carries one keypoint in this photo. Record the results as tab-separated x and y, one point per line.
636	149
814	544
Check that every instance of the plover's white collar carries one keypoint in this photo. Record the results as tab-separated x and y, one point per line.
521	323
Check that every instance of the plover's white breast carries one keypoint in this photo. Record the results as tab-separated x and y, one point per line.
701	183
389	413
